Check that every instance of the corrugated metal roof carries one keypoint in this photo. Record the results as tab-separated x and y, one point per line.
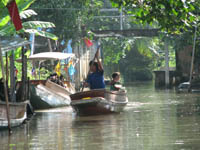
11	43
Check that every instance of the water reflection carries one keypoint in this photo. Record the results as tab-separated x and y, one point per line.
153	120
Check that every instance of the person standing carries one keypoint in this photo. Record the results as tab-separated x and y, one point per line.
95	78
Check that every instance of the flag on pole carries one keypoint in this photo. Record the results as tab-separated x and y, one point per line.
15	71
88	43
14	14
57	69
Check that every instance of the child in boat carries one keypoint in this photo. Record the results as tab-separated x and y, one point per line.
115	85
95	79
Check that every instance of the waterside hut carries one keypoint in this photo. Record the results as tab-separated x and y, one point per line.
8	45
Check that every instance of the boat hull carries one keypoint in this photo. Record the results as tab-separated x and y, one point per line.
98	102
49	96
17	111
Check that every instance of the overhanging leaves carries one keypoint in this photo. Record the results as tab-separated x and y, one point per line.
36	24
42	33
27	13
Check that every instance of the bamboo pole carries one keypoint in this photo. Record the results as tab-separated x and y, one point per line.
5	91
166	64
192	61
7	72
23	75
50	49
12	78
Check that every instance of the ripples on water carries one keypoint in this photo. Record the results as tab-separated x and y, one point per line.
153	120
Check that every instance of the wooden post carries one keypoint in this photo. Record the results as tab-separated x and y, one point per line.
25	78
12	78
79	67
5	91
50	49
23	75
7	72
166	63
192	61
28	88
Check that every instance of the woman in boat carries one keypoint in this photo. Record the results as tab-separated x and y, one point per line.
95	79
115	85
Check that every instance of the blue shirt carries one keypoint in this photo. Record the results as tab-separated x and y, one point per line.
96	80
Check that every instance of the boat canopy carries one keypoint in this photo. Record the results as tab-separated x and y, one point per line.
50	56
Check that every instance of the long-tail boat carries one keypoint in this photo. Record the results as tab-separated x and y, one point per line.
49	95
46	94
99	101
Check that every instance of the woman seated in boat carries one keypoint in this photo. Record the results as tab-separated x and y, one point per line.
95	78
56	79
53	77
115	85
61	81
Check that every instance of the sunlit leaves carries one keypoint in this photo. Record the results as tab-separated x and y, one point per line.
27	13
42	33
115	49
173	16
4	15
36	24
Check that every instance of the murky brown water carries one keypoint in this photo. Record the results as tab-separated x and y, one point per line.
153	120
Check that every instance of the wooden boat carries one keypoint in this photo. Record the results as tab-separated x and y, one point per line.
98	101
18	114
49	95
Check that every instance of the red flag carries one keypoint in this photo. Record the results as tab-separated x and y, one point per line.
14	15
88	43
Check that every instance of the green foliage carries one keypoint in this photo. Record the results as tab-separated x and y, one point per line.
69	16
27	14
115	49
4	15
173	16
42	33
8	29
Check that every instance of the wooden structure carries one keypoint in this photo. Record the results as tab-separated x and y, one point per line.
126	33
8	44
97	102
160	80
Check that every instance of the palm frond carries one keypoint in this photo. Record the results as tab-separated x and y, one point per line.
42	33
4	15
36	24
7	30
27	13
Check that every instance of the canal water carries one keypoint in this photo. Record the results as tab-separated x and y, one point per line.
153	120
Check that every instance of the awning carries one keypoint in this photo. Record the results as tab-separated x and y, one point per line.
12	43
50	56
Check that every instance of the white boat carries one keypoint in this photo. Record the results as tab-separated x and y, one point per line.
49	95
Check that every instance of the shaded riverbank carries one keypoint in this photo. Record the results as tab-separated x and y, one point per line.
153	120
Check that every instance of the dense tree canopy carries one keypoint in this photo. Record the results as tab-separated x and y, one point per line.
173	16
